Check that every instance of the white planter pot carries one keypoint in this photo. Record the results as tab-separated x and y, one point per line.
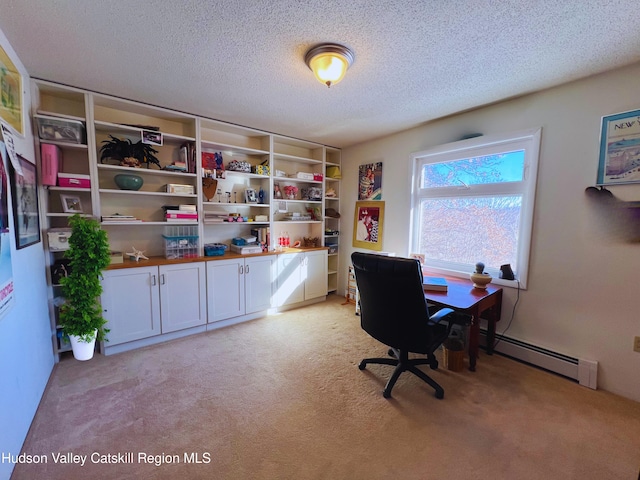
83	350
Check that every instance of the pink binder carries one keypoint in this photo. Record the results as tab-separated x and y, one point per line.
51	159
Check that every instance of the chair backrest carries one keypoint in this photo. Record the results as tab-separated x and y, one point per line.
393	309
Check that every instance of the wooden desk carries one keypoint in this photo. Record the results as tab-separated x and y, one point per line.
461	296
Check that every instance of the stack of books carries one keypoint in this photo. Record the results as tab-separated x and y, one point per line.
116	218
434	284
176	167
184	213
215	217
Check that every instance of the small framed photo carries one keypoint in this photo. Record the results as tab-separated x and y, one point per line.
152	138
250	195
71	204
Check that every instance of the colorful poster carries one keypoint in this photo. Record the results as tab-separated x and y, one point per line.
370	181
10	93
620	149
6	270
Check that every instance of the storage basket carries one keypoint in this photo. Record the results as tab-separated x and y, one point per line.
453	354
239	166
180	242
214	249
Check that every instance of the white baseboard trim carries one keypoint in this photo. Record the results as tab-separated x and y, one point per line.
585	372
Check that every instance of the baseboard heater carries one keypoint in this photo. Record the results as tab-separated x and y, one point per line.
584	372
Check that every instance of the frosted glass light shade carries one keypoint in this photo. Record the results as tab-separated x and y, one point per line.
329	62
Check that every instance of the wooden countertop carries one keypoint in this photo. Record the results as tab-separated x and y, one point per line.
156	261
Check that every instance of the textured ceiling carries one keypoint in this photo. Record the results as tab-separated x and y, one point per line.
242	61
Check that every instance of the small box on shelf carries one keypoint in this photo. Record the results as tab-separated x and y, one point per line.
74	180
59	239
178	188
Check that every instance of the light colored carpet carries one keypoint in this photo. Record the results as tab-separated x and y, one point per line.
282	398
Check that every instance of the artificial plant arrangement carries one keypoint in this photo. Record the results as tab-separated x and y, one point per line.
88	255
128	153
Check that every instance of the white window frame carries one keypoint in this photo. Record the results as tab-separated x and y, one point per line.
527	140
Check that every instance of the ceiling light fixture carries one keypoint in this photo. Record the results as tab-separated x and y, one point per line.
329	62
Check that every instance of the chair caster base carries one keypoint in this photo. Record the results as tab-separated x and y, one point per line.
362	365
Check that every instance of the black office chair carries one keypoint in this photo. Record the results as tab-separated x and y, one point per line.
393	310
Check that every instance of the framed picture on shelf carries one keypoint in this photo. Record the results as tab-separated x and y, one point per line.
150	137
25	204
619	160
71	204
368	222
250	195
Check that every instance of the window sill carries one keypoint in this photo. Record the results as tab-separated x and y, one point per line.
430	271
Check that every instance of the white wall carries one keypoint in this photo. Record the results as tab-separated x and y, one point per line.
582	298
26	354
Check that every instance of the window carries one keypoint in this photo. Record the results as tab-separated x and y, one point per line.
472	201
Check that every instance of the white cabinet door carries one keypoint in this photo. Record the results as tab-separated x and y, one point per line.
257	283
314	272
182	296
225	289
131	304
290	282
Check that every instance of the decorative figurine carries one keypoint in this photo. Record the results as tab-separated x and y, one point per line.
261	195
137	254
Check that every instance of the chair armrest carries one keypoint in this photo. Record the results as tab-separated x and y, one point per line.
440	315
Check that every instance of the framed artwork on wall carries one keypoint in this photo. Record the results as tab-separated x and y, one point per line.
619	160
25	204
11	107
368	223
370	181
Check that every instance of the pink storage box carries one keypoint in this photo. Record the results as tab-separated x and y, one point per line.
318	177
51	157
74	180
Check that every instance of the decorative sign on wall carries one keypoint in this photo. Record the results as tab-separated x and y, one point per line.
6	269
620	149
370	181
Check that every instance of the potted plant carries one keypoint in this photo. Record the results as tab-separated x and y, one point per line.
128	153
81	314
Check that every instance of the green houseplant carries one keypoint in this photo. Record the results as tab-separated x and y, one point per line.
88	254
128	153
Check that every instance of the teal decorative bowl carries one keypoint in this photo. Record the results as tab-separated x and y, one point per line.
128	181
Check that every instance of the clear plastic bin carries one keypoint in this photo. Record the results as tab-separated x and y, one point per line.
180	242
61	129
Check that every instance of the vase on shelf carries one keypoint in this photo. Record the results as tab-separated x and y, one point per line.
128	181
